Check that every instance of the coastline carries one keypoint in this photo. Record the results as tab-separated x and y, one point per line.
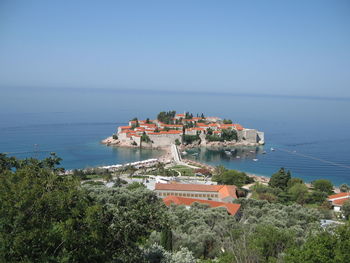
109	141
167	156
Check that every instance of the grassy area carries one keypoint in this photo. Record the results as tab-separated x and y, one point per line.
184	170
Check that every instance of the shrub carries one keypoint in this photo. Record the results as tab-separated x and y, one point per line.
188	139
233	177
145	138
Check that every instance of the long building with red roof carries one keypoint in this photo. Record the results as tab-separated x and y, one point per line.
221	193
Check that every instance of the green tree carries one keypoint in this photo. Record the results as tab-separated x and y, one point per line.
166	238
219	170
229	134
188	139
7	163
344	188
166	117
323	185
48	217
233	177
210	131
45	217
316	197
177	142
228	121
299	193
145	138
280	179
346	209
271	241
294	181
325	247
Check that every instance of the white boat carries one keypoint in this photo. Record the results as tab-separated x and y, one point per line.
228	152
238	157
272	149
264	152
255	160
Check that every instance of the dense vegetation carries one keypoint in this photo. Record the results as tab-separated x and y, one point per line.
231	177
48	216
166	117
189	139
226	135
283	188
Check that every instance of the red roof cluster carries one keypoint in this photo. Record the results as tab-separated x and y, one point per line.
149	128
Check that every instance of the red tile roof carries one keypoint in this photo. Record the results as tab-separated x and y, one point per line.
165	132
238	127
223	190
180	115
201	124
232	209
340	202
148	125
340	195
125	127
227	125
172	125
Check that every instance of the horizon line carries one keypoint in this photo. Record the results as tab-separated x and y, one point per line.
184	92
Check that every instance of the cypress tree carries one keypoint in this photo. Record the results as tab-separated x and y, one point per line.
166	239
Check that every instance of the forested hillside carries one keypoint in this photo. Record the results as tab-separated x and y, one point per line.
47	216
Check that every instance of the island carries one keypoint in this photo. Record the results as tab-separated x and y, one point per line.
185	130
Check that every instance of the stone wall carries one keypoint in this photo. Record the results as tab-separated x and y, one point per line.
250	135
163	140
261	137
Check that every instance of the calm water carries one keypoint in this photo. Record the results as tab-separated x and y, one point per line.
310	135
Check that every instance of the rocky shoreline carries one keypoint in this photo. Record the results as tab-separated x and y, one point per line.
109	141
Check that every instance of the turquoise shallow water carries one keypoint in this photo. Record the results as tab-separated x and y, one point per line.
311	136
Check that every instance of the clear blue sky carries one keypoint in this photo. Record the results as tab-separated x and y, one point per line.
268	47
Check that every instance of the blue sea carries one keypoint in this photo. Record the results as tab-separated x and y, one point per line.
310	135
